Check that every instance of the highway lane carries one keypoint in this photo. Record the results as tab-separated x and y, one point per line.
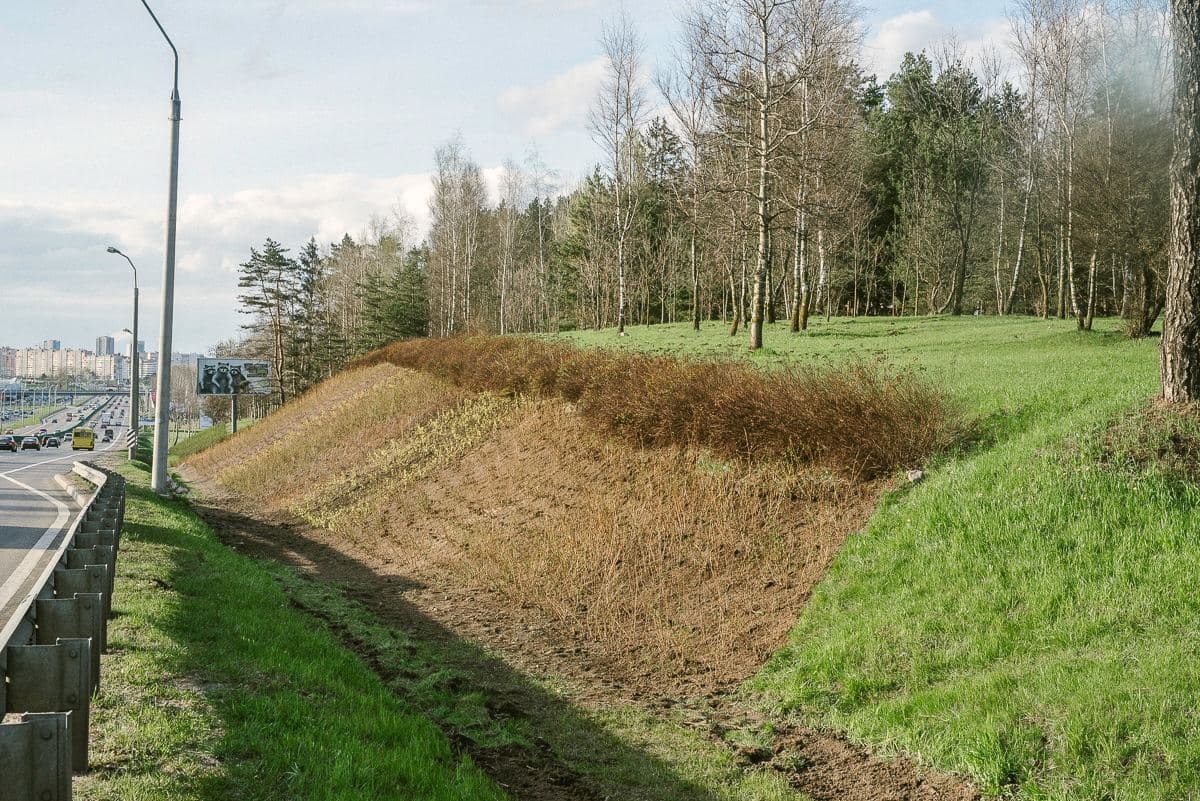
34	510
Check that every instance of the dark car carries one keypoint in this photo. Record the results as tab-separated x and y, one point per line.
51	442
9	444
107	435
31	442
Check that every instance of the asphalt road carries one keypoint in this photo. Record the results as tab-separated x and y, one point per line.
34	511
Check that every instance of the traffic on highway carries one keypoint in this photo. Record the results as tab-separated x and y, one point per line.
34	509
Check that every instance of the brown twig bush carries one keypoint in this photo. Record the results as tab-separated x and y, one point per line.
864	420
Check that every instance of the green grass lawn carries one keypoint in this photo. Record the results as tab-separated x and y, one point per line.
218	687
1024	615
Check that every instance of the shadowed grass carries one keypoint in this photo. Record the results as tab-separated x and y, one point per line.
218	688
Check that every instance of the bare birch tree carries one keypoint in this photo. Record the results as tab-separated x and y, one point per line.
615	119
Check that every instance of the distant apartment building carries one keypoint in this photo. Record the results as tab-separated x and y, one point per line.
51	362
52	344
105	346
8	362
186	358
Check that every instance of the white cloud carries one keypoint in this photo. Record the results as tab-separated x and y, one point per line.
216	232
547	107
915	31
324	206
911	32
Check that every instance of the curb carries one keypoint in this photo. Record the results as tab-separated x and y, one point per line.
69	488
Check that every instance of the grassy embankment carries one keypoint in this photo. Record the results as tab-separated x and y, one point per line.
1026	615
423	484
207	699
217	687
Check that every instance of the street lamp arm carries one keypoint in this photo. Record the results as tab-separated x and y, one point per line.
112	249
169	42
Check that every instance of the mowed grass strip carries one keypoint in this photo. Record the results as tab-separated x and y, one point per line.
217	687
1026	615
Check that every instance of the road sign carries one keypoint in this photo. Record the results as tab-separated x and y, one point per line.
229	376
131	438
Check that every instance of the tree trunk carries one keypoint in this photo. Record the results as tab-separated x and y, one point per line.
998	284
734	301
758	304
694	265
800	269
1181	322
620	285
1016	274
1091	292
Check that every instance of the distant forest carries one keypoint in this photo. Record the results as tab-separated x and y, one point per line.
784	184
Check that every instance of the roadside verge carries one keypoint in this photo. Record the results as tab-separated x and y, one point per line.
217	687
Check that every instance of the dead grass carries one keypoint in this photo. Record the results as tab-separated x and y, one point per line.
1155	439
324	434
861	420
682	564
665	565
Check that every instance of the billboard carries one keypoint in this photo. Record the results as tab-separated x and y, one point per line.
227	376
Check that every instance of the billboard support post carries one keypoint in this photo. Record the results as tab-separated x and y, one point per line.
233	377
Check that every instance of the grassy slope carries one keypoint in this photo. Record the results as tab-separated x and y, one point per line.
217	687
1022	615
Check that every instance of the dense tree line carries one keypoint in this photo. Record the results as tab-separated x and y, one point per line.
784	183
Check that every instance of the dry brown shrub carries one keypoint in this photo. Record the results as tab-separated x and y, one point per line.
863	420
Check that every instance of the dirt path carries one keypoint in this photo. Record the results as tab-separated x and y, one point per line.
476	636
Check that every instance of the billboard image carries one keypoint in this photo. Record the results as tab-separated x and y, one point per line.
227	376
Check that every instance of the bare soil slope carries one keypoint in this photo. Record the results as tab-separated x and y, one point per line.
657	576
665	566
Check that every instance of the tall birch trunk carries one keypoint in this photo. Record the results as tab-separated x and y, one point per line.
1181	320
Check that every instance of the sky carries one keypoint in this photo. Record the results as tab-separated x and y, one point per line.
300	118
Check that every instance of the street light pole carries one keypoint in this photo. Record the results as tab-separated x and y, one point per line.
134	362
162	409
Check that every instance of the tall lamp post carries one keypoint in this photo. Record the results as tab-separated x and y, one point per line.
134	359
162	409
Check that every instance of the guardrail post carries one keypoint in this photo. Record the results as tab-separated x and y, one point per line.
54	678
93	578
96	555
35	758
80	616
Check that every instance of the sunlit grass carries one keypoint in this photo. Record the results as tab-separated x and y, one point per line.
1025	615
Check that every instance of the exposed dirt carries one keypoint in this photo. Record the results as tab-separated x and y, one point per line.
435	607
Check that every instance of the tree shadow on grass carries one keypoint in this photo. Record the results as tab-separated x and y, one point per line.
533	743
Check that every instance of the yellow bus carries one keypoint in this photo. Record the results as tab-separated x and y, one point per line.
83	439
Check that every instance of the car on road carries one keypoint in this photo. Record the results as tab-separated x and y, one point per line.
31	442
52	442
8	443
107	435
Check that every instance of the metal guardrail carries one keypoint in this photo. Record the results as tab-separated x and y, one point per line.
50	651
